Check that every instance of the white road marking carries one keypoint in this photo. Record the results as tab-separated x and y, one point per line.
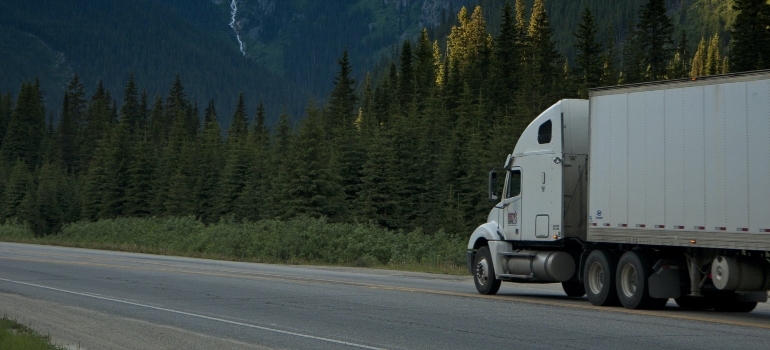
196	315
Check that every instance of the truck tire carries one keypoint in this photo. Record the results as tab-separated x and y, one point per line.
573	289
484	273
599	278
634	269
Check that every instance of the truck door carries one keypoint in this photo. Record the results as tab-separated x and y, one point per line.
512	205
542	183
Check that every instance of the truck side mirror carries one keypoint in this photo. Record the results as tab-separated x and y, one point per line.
492	186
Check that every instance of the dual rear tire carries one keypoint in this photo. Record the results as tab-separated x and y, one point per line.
599	278
610	281
634	269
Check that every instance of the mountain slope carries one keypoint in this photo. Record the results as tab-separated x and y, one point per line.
291	47
108	40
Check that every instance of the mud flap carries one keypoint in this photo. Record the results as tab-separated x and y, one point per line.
665	281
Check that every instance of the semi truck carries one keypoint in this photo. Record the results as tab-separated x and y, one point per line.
640	194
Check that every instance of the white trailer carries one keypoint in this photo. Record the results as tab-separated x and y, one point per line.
643	193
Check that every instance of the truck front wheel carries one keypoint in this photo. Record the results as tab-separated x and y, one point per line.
633	289
484	273
599	278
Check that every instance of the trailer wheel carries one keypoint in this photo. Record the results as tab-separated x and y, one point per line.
599	278
574	289
484	273
633	271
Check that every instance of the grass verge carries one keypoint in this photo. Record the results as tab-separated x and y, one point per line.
16	336
297	241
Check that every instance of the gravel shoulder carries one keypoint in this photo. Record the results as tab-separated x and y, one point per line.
76	328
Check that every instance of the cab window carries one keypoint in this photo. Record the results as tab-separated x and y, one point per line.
544	132
514	184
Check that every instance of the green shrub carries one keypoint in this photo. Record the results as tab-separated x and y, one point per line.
300	240
19	337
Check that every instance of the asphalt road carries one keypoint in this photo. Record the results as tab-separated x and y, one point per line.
92	299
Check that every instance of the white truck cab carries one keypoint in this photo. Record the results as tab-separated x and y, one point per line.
542	202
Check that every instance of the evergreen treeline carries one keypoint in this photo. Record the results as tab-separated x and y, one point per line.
407	149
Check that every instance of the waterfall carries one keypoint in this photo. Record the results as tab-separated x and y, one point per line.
233	11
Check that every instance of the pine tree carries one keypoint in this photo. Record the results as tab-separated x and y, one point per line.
377	201
26	128
340	113
280	171
366	122
179	107
750	45
98	122
20	187
542	65
144	111
314	190
610	70
344	157
235	178
120	157
521	22
239	123
588	54
6	106
469	48
97	183
157	123
460	166
425	69
47	213
655	39
261	132
172	159
139	190
406	82
713	57
252	204
506	62
680	65
699	60
130	112
180	200
77	101
67	133
441	66
210	167
632	66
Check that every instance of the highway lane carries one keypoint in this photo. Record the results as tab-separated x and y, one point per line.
100	300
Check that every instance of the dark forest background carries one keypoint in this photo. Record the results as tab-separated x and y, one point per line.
407	145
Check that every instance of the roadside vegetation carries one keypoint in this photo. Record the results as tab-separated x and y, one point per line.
16	336
389	171
297	241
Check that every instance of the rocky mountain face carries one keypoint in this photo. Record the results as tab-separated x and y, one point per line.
303	39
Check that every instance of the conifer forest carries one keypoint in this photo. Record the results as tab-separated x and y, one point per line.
407	146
